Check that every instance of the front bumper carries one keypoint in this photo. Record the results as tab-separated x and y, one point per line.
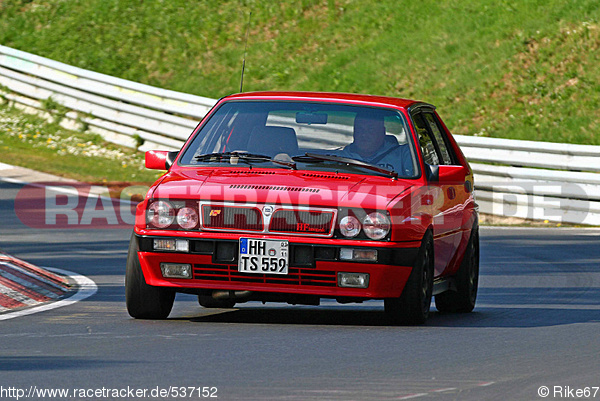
313	268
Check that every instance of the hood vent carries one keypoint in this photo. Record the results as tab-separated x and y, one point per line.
274	188
251	172
327	176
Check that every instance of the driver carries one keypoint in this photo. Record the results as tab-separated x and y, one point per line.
372	145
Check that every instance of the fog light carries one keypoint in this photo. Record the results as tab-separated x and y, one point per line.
353	280
174	245
369	255
176	270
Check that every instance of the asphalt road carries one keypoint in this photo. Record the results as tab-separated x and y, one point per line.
537	323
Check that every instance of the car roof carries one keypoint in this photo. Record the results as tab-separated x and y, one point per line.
330	96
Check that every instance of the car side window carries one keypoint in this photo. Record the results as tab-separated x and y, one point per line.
425	141
439	138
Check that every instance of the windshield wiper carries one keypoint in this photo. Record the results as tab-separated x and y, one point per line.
346	160
243	156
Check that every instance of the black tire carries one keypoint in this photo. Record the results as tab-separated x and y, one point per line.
144	301
207	301
412	307
467	280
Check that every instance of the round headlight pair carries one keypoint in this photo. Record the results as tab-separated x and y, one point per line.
162	215
375	225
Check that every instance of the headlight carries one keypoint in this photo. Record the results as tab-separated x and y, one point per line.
349	226
376	225
160	214
187	218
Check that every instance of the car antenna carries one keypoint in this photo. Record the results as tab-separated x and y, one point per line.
245	48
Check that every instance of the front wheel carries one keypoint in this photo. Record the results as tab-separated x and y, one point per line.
412	307
467	280
144	301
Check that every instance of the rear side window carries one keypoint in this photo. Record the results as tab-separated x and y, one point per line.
426	141
439	138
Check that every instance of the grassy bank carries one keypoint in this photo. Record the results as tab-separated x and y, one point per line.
525	69
33	142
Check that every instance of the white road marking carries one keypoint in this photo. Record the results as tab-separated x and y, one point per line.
87	288
443	390
62	188
411	396
12	180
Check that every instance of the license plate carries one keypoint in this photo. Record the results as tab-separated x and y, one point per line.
263	256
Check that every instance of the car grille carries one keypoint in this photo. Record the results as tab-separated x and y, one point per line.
300	221
283	220
231	217
295	276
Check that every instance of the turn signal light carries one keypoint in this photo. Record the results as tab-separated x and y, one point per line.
174	245
369	255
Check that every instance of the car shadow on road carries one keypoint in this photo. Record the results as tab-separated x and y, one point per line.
510	317
291	316
495	316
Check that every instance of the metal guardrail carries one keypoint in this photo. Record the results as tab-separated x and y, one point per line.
536	180
116	108
523	179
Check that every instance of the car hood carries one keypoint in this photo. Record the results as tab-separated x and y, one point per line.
276	186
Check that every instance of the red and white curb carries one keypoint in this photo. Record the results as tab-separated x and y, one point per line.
27	289
23	284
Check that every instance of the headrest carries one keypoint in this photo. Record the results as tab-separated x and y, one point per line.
270	140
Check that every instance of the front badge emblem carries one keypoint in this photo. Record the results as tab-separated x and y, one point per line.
267	210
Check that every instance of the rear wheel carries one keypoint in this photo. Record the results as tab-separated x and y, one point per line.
467	280
412	307
144	301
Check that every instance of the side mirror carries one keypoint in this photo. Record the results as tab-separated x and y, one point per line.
160	159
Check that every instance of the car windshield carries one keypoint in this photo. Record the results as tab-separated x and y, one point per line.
299	132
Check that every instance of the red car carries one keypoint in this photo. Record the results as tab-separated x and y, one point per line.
295	196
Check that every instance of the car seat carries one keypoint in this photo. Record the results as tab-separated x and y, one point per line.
271	140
